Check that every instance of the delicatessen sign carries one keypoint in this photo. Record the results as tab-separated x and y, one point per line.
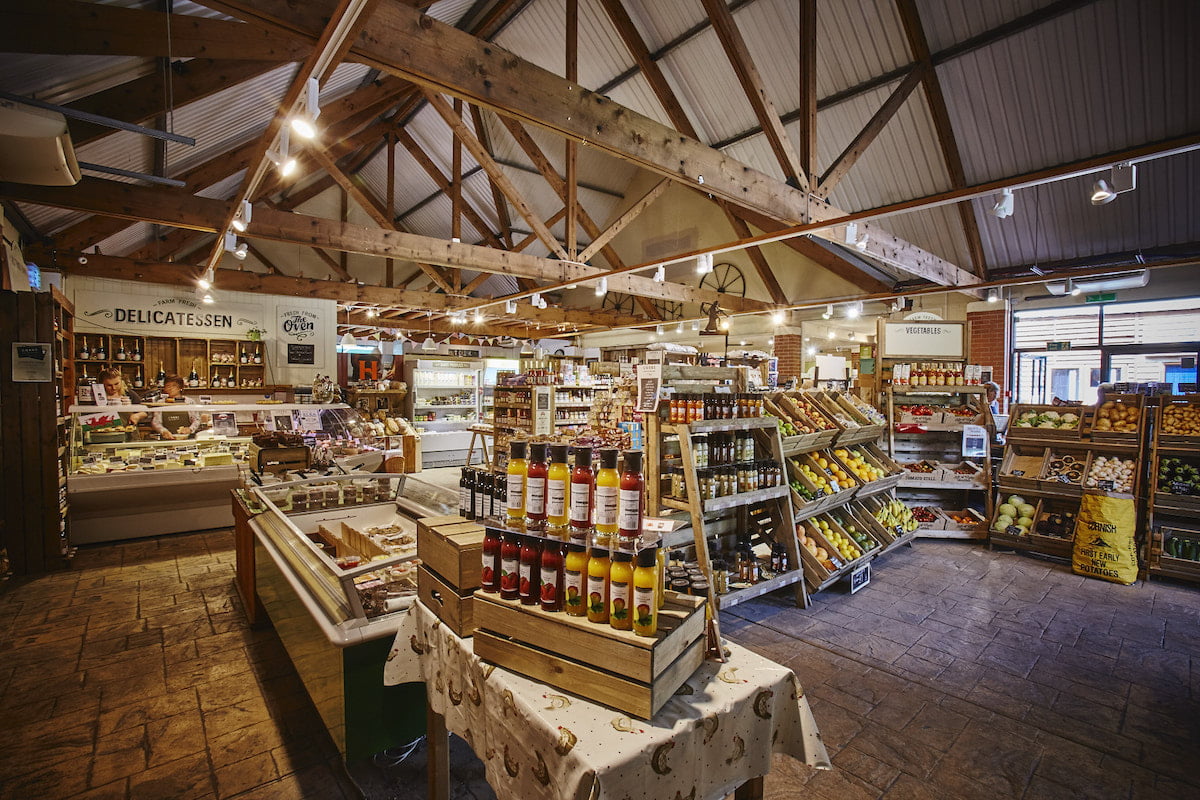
164	316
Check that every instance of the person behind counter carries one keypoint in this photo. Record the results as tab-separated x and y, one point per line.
175	424
117	393
993	396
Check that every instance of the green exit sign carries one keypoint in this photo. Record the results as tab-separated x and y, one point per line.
1058	346
1100	297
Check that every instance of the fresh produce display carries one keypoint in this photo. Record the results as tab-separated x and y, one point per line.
1067	420
1060	525
848	549
857	463
1014	512
920	467
1111	469
1179	476
922	514
921	410
964	412
822	479
873	415
1181	420
792	427
961	517
865	543
822	555
1117	417
810	410
895	514
1065	468
1182	547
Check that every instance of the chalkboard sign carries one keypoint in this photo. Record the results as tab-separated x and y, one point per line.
301	353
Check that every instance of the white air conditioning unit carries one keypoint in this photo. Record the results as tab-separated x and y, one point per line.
35	146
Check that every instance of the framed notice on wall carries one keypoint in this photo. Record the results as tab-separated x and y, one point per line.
923	339
301	353
31	362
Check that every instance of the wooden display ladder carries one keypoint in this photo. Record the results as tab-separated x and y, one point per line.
704	513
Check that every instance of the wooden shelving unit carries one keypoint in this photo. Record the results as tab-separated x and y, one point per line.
1173	546
220	363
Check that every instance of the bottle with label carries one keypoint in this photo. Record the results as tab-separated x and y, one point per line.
489	573
608	484
529	570
633	484
514	505
481	496
550	591
121	354
499	487
244	357
465	485
581	494
646	594
161	377
510	566
84	352
101	353
620	591
137	351
194	377
574	581
558	477
597	585
536	471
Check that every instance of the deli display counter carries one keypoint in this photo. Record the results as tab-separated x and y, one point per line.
334	567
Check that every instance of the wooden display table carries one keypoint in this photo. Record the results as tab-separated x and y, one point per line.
715	736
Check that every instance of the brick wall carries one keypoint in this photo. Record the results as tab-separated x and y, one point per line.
990	346
788	351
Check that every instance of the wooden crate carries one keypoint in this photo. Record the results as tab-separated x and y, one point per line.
456	610
1061	485
1117	401
867	430
453	550
1037	435
864	516
1022	467
1175	409
619	669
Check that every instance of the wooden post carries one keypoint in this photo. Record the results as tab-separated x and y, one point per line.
438	764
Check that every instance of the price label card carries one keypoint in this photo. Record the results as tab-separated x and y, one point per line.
1180	487
1013	530
860	577
1017	473
1064	479
1107	486
660	525
899	530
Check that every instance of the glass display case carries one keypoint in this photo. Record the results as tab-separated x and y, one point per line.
334	564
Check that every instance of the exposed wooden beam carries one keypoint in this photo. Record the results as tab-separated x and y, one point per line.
748	76
859	144
495	172
389	265
571	198
604	237
61	27
262	259
502	217
334	264
807	112
757	257
915	32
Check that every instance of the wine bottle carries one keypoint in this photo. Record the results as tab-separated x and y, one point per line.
121	354
245	359
101	351
161	377
84	352
137	351
194	376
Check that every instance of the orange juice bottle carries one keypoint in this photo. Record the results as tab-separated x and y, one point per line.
646	596
574	583
597	585
620	591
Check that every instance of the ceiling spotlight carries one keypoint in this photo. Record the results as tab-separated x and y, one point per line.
854	310
536	300
851	233
704	263
458	318
602	287
777	317
510	306
208	298
850	336
771	342
828	312
831	334
240	251
1073	288
305	123
679	328
478	317
725	323
861	244
242	220
280	158
695	324
1122	178
230	241
812	351
206	280
371	313
658	330
993	296
1004	206
660	274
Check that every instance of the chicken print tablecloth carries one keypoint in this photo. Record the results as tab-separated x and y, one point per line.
718	731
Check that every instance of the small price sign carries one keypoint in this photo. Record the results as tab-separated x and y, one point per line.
1013	530
1106	486
860	577
1017	473
1064	479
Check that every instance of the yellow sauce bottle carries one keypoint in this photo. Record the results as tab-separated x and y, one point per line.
604	507
646	594
597	586
620	591
575	570
514	505
558	479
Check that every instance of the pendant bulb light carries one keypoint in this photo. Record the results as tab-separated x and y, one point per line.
348	340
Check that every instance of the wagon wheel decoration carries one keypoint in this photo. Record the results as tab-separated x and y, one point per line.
621	303
668	309
727	278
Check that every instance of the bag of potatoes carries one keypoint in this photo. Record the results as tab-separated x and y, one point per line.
1104	538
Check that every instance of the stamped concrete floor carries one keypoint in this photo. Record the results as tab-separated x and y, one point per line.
958	673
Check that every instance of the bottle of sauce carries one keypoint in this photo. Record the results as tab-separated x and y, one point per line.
608	485
558	477
536	471
514	504
466	504
581	494
597	586
620	591
574	581
550	591
633	483
646	595
529	570
510	566
489	574
481	496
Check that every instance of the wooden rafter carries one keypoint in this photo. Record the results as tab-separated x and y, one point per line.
502	217
917	42
859	144
262	259
570	159
756	255
601	240
495	172
756	91
808	86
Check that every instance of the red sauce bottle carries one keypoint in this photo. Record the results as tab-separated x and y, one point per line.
510	563
535	487
581	493
529	570
629	508
550	591
490	573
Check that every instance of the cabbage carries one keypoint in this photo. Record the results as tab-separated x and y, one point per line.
1025	522
1008	510
1016	500
1025	510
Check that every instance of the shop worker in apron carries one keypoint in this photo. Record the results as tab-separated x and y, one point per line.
175	424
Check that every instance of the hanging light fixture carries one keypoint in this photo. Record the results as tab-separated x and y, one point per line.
602	287
305	123
828	311
660	274
348	339
242	220
526	347
206	280
429	345
1004	206
993	296
282	160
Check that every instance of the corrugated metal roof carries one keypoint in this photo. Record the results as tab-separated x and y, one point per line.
64	79
947	22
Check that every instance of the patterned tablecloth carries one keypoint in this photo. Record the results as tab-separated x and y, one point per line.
717	732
